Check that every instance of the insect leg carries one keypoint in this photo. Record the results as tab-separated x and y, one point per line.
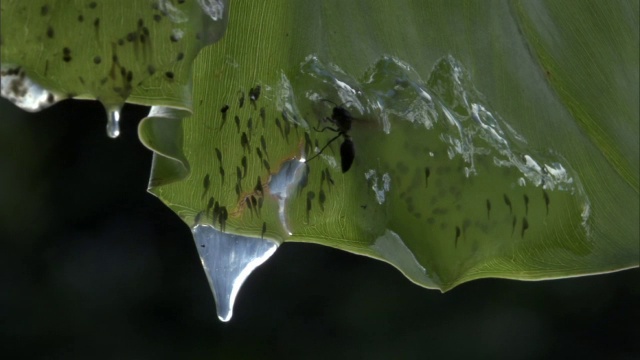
324	147
326	128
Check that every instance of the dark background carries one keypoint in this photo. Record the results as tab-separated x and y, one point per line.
92	266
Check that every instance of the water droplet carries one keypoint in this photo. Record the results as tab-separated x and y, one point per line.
213	8
113	120
372	177
283	184
175	15
392	248
228	260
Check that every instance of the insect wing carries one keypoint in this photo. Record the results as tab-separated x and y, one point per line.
347	153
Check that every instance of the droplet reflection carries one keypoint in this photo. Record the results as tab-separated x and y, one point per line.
113	120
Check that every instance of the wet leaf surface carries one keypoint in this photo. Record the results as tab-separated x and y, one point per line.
466	162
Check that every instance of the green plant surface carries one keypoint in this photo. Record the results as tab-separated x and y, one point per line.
113	51
492	139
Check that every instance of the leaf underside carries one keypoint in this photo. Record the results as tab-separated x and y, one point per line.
490	141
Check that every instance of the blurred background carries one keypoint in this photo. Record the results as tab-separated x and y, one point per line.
92	266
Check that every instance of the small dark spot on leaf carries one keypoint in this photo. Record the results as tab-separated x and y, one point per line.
180	56
258	188
546	200
157	17
244	141
279	125
322	198
222	219
237	120
80	18
209	205
427	173
151	69
254	93
93	5
50	32
120	42
97	60
44	10
169	75
241	100
263	115
525	226
243	162
221	170
206	182
216	211
508	202
174	38
96	22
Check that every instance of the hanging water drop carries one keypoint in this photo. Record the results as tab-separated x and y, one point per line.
113	120
227	261
292	174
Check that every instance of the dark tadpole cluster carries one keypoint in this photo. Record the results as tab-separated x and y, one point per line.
508	211
249	197
118	74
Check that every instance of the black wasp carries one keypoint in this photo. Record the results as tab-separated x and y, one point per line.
341	118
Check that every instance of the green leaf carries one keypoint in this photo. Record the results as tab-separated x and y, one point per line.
113	51
491	141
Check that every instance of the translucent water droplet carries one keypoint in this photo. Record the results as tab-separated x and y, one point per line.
392	248
213	8
282	185
172	12
228	260
113	120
